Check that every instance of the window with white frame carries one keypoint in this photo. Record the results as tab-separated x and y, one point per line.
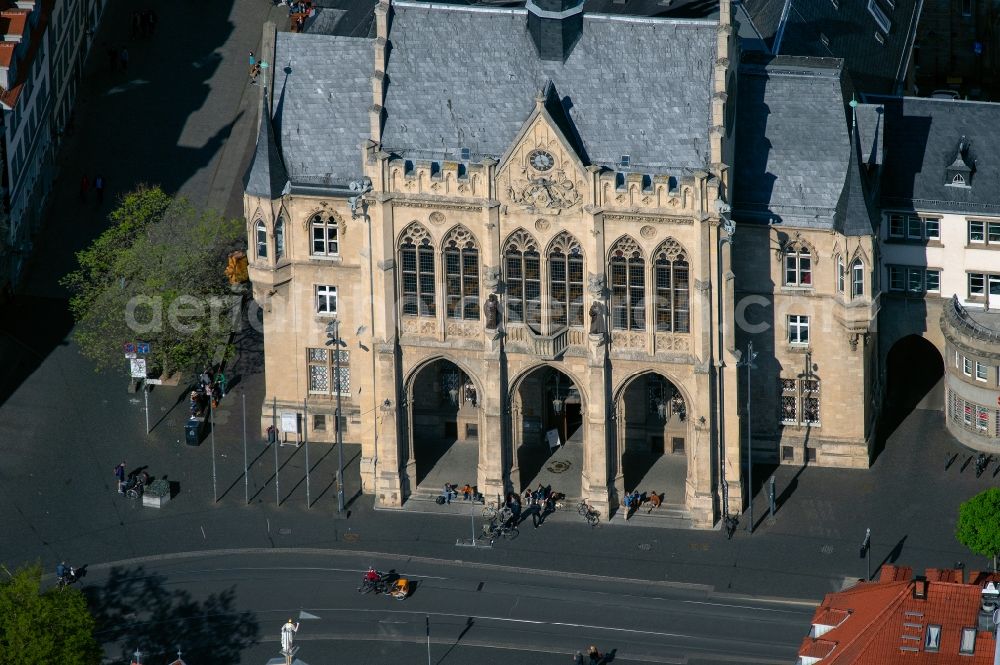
857	279
326	299
967	645
322	371
932	641
913	227
993	233
799	401
932	280
977	232
325	231
798	329
977	284
966	366
982	371
840	274
798	266
628	285
523	279
260	239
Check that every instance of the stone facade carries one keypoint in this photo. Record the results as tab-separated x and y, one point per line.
479	282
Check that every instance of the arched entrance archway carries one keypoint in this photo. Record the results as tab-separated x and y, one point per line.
547	425
443	422
654	438
914	369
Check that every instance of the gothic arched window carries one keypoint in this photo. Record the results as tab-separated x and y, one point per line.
279	238
673	298
628	285
461	271
523	279
416	271
857	279
566	280
840	274
260	240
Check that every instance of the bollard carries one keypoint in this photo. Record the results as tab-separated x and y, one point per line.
771	497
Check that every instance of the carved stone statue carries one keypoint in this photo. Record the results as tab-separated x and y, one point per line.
597	325
492	311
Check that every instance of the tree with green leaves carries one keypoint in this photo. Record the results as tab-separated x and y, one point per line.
156	275
52	626
979	524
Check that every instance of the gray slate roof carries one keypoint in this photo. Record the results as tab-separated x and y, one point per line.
793	148
793	27
322	88
467	77
921	140
266	176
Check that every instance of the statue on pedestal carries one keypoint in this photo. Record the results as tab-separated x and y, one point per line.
492	311
598	325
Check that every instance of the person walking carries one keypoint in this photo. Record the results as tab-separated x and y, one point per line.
84	188
120	475
99	188
220	380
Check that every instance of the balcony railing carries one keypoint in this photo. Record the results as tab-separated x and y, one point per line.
547	347
959	319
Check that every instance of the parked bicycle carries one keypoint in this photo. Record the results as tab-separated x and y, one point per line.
592	515
496	529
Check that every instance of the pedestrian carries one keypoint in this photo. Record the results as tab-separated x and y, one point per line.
113	58
206	378
467	492
578	659
120	475
447	493
535	510
254	73
123	57
99	188
594	655
253	60
84	188
220	380
515	507
61	570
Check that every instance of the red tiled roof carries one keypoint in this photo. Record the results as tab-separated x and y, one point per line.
887	625
9	97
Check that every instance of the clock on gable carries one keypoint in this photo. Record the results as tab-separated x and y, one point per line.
541	160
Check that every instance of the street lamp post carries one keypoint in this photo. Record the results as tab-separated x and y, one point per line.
333	338
748	363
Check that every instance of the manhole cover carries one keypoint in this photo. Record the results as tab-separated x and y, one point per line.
284	532
645	547
558	466
352	537
826	549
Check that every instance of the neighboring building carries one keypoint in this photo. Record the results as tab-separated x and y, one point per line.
930	619
539	252
946	54
805	261
873	37
941	254
41	59
25	96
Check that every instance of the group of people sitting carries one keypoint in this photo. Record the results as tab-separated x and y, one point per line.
634	500
468	492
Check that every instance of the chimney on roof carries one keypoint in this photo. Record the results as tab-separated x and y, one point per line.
555	26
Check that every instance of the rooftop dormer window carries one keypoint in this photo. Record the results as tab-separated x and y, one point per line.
959	172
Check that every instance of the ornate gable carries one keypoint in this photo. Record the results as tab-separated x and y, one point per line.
542	171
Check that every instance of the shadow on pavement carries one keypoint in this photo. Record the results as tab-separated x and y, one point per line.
134	609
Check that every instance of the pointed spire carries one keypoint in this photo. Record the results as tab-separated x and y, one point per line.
854	215
267	176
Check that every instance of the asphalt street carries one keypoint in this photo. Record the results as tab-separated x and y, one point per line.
491	612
